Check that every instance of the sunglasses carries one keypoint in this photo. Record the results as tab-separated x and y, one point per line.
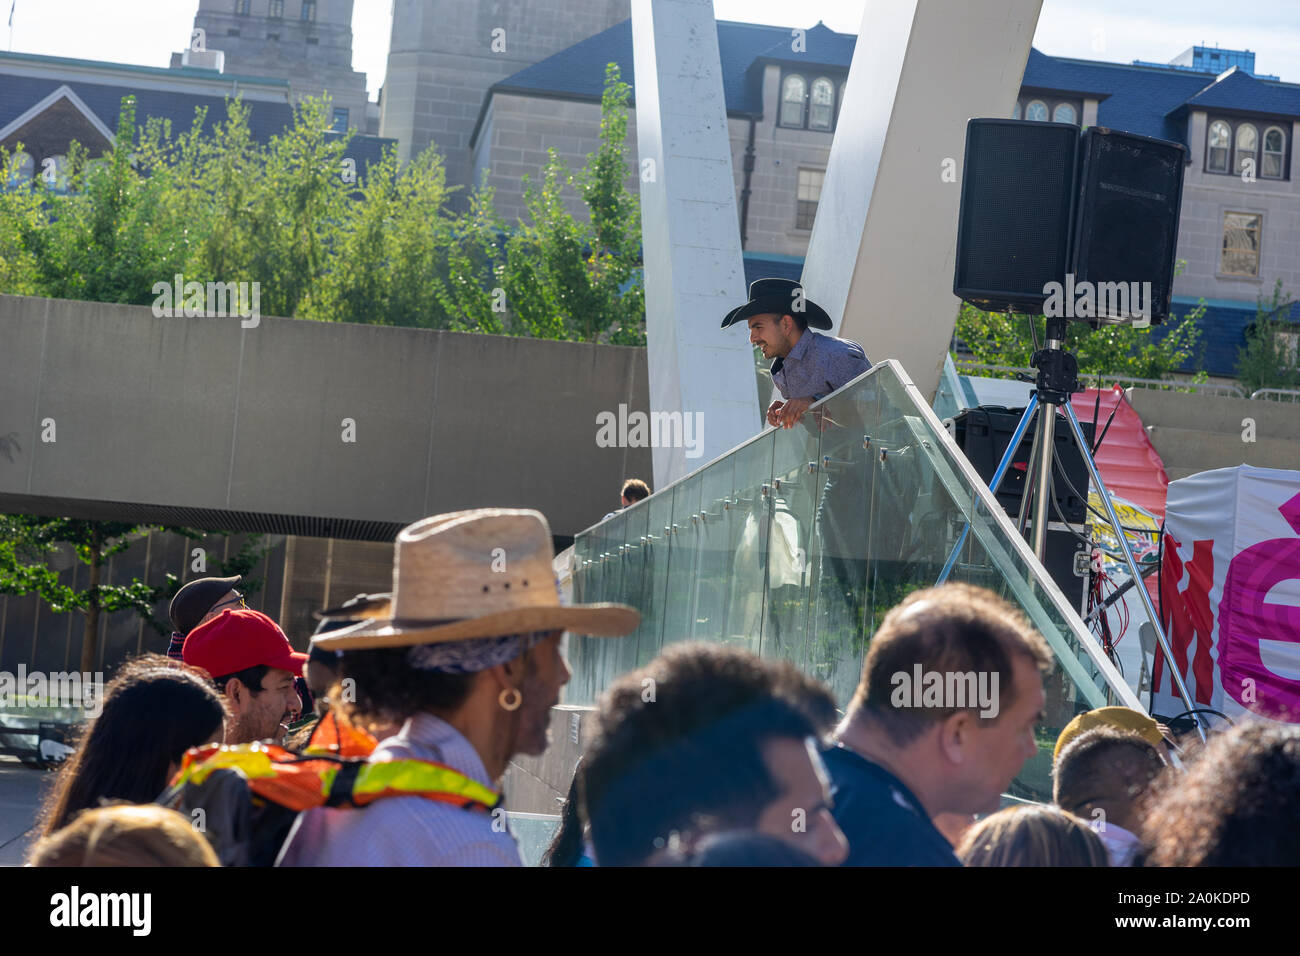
238	600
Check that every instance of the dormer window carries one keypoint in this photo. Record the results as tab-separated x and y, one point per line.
1274	153
809	102
1247	140
1219	138
793	90
1233	146
821	107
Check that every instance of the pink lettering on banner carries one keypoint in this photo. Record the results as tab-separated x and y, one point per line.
1245	619
1187	615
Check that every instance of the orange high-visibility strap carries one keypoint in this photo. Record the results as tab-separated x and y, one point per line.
300	783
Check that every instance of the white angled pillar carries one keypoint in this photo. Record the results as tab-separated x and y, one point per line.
883	244
690	234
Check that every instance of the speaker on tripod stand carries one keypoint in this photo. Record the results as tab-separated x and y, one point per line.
1072	227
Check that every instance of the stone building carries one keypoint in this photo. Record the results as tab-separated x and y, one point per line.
445	54
306	42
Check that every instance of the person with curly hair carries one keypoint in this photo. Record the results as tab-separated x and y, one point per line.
1237	805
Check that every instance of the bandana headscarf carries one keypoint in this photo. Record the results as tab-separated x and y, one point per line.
472	655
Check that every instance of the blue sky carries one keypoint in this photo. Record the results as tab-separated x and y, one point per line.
147	31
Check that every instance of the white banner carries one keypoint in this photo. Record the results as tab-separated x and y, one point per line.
1230	589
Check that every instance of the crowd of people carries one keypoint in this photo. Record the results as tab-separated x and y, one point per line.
386	744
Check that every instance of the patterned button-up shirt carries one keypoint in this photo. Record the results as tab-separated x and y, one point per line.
818	365
406	831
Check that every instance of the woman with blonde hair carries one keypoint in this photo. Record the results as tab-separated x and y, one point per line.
1031	835
125	835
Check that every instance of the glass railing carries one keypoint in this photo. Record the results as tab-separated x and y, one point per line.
795	544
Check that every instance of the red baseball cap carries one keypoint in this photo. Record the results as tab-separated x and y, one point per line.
239	638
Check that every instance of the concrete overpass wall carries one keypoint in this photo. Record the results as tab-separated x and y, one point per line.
199	421
1195	433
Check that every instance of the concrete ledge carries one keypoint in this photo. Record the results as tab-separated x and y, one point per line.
1203	450
236	428
1216	413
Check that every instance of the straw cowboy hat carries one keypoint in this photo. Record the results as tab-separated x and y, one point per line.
482	573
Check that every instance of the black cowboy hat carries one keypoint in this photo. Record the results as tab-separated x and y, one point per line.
780	297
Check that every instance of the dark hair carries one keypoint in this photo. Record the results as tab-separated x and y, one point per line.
566	847
1031	835
1104	765
747	848
1235	806
250	677
678	746
800	320
959	629
634	489
154	710
386	689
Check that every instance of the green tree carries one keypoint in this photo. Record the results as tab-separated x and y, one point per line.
1118	350
1266	361
582	280
214	205
27	542
103	239
20	217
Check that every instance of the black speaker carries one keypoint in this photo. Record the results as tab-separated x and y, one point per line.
1013	230
1126	227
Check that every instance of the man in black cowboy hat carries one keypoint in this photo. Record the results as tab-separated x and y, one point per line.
807	365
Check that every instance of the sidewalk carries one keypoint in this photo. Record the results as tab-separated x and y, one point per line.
21	790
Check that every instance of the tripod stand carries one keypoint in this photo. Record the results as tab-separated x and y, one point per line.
1058	379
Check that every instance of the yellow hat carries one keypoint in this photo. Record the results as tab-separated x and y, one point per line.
1122	718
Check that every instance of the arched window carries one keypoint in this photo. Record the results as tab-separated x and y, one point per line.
1247	141
821	105
1064	114
1015	112
1274	152
1036	110
793	91
1219	137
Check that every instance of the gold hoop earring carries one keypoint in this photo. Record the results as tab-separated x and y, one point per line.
510	703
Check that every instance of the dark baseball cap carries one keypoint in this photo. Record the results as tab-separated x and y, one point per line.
196	599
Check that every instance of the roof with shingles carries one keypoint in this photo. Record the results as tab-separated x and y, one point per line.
20	92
